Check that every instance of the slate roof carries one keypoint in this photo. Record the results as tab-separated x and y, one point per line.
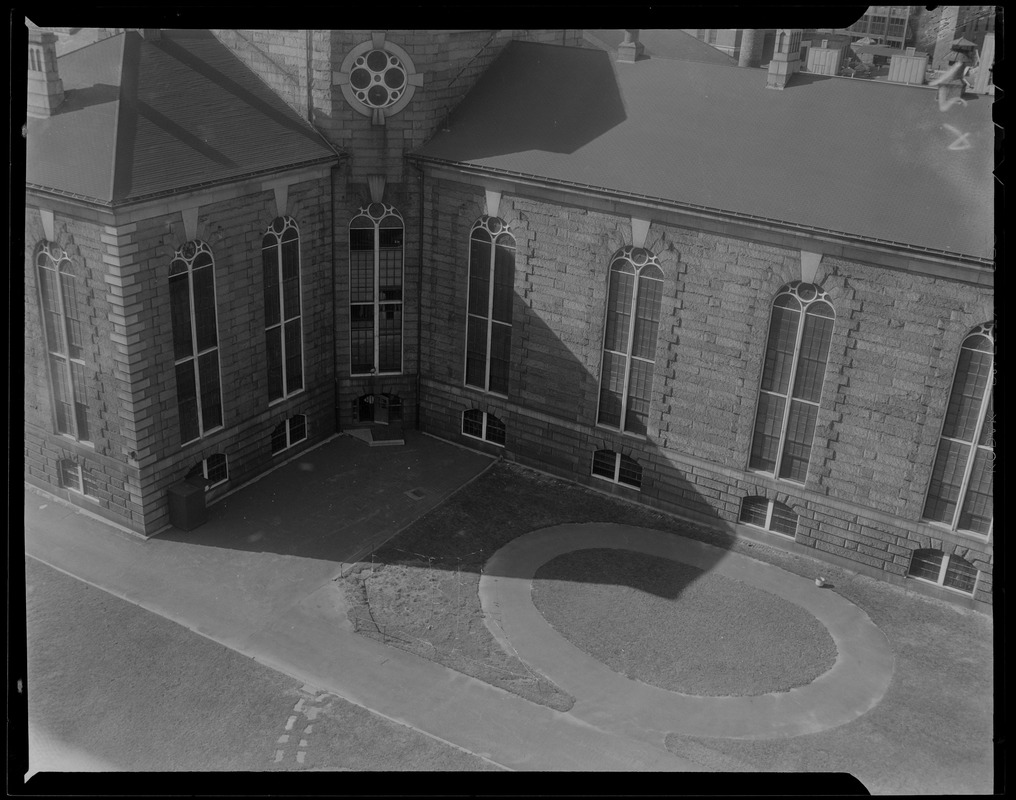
143	119
875	161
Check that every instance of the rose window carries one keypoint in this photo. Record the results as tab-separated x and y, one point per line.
378	78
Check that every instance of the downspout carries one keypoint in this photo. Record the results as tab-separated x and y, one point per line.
335	305
419	291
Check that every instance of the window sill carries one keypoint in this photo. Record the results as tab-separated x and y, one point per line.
280	400
375	374
926	582
641	437
612	482
485	391
773	478
791	536
203	436
479	439
942	527
78	442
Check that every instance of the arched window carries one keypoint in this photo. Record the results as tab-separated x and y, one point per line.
280	260
289	432
75	477
960	490
769	514
195	340
479	424
800	332
489	310
64	334
617	468
375	290
936	567
629	340
210	472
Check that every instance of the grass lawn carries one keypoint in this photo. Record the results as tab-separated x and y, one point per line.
420	593
678	627
931	733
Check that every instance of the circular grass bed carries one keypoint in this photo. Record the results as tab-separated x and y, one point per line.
677	627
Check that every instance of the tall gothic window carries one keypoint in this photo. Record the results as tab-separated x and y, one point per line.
375	290
61	319
800	332
280	259
629	340
195	340
960	491
489	310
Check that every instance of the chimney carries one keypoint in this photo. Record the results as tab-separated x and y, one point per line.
45	89
748	55
786	57
631	48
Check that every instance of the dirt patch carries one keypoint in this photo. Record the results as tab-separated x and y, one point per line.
675	626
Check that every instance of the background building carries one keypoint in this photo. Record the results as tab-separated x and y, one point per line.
638	272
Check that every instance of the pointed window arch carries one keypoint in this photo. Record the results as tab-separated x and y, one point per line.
961	486
634	298
64	334
195	341
797	350
376	267
280	261
489	308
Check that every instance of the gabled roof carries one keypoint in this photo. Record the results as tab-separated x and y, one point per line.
873	161
662	43
143	119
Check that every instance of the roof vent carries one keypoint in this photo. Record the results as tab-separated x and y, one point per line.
631	48
45	89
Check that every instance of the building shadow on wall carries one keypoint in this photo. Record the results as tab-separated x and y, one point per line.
345	501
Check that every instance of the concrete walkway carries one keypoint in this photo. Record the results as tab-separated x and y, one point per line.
259	577
855	684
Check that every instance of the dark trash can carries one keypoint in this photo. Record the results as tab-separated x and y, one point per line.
187	509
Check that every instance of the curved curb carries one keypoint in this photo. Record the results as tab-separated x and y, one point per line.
854	685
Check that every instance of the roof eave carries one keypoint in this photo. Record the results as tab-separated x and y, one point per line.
117	203
716	213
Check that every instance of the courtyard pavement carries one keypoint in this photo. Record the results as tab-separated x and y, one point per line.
259	575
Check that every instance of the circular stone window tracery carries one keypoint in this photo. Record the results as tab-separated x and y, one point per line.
378	78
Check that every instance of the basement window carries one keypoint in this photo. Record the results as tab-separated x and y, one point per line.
74	477
210	472
477	424
617	468
952	572
770	515
288	433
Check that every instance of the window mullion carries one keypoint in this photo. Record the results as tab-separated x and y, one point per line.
790	391
769	514
631	345
282	312
942	569
194	349
66	357
617	467
377	297
968	469
490	322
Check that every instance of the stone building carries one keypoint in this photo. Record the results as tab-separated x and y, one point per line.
759	300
